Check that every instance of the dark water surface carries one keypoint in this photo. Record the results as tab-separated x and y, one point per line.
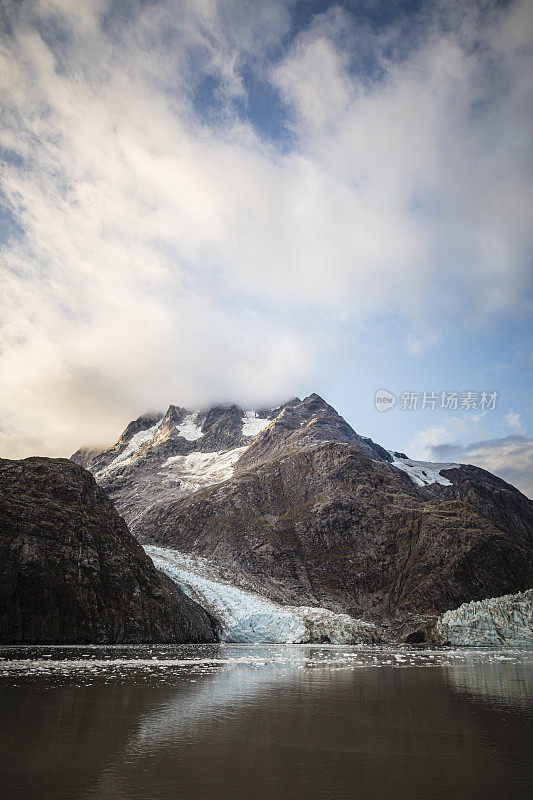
272	722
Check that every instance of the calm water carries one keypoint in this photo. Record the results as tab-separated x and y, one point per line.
264	722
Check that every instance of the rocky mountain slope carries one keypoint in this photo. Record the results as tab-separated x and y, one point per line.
293	503
71	572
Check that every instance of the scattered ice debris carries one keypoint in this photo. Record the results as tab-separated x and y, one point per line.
422	472
249	618
252	424
189	429
198	470
506	620
490	672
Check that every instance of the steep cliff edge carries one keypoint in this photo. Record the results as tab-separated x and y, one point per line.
71	572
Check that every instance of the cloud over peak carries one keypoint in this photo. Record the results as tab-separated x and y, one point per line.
162	246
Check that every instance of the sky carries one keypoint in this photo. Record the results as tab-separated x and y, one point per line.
209	201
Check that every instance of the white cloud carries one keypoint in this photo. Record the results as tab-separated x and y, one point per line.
422	444
425	442
514	422
425	162
167	257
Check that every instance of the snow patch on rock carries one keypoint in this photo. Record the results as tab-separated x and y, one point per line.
506	620
423	472
199	470
249	618
252	424
188	429
133	445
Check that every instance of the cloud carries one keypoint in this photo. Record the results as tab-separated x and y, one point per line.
510	457
163	248
514	422
425	442
421	154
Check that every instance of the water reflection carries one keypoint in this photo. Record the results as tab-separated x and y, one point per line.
505	684
233	686
266	722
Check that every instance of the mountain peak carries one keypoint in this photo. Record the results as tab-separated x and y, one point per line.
313	398
315	401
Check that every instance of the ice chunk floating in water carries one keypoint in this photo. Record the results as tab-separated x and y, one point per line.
249	618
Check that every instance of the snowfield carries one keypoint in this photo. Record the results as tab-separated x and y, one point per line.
423	472
188	429
252	424
246	617
199	470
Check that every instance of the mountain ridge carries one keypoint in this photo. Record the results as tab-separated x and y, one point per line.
294	502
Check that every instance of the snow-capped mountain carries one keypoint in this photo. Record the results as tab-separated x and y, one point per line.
163	457
292	504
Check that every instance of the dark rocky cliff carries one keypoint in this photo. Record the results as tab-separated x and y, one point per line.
71	572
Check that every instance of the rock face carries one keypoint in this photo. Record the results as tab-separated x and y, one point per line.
71	572
506	620
294	504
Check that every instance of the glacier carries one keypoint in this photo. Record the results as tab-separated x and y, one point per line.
423	473
506	620
249	618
